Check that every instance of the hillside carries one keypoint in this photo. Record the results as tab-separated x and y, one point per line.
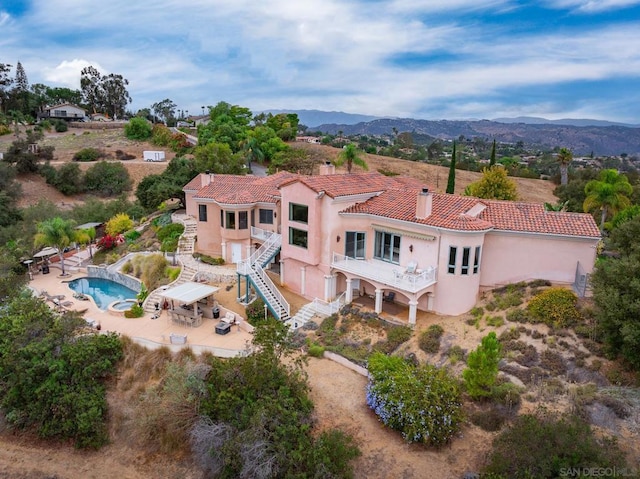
110	141
435	177
582	140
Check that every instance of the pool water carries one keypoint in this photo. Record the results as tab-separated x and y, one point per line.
103	291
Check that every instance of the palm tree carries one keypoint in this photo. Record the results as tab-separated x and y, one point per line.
564	158
351	155
610	193
252	151
57	233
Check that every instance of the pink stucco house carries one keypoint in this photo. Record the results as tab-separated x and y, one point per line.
334	237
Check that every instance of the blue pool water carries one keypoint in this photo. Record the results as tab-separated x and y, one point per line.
103	291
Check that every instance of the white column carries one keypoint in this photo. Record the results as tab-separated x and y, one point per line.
281	273
303	280
224	251
248	251
379	300
334	286
327	287
413	308
349	293
430	300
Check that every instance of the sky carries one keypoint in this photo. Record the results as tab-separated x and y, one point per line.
423	59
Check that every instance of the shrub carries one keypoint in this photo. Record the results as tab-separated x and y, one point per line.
495	321
423	403
553	362
107	179
455	354
138	129
61	126
556	307
131	236
490	420
482	367
429	340
170	231
396	335
547	445
255	312
316	350
118	224
134	312
517	315
89	154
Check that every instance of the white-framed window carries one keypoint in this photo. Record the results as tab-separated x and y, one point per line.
387	247
466	253
476	260
453	253
265	216
298	237
299	213
202	212
355	243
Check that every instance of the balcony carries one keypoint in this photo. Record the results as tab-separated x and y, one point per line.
392	275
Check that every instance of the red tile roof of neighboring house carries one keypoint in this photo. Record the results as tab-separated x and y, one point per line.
451	212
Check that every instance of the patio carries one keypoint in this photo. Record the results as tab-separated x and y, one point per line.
149	332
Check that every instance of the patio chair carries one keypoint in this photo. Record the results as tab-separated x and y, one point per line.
229	318
412	267
389	297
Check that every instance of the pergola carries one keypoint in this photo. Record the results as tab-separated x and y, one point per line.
188	294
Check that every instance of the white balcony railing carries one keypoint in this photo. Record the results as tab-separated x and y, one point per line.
328	307
392	275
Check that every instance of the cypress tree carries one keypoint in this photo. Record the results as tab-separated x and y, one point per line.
451	182
492	161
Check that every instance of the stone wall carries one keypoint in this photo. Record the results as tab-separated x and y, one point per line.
124	279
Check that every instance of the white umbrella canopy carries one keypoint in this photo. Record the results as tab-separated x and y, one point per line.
46	252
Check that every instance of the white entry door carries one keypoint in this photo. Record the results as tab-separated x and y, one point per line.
236	252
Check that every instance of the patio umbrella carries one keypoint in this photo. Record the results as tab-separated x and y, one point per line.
46	252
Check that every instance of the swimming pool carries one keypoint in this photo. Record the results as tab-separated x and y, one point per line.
103	291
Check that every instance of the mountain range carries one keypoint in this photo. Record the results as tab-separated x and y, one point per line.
582	136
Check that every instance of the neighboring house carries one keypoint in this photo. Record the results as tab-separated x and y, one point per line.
65	111
369	234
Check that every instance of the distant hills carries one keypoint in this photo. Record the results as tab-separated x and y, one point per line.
582	136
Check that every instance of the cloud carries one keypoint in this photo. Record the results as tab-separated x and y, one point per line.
67	73
592	6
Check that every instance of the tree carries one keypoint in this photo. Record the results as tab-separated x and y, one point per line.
610	193
58	234
165	109
20	92
229	124
494	185
87	237
218	158
26	157
138	128
482	367
10	191
5	83
252	152
451	180
350	156
492	160
107	179
119	224
107	94
565	157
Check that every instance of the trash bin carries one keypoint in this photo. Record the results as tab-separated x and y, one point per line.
45	269
216	312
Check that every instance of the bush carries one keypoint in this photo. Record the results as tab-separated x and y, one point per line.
316	350
556	307
495	321
89	154
455	354
518	315
548	445
138	129
61	126
107	179
132	236
396	335
171	231
135	311
423	403
429	340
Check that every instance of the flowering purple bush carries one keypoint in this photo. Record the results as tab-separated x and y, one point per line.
423	402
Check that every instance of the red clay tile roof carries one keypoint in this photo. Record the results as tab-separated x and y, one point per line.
355	184
241	189
450	212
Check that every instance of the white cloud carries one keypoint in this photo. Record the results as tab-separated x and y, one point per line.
67	73
592	6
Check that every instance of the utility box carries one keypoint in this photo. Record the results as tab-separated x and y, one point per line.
153	155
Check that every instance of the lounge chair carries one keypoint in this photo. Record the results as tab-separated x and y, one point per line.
229	318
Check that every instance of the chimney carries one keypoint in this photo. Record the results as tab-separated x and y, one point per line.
327	168
424	204
206	178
